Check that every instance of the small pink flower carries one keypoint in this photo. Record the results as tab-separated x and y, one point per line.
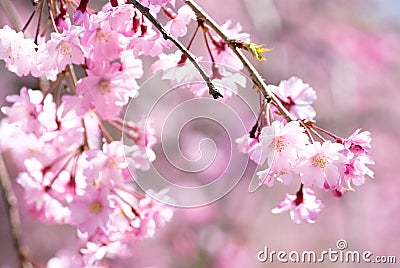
154	215
28	110
320	163
106	90
81	18
280	144
62	49
91	210
355	172
303	206
38	198
358	143
177	26
221	52
105	167
151	43
18	52
100	42
296	96
94	252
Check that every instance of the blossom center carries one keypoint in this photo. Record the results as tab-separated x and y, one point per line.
95	208
102	36
104	86
320	161
65	48
280	144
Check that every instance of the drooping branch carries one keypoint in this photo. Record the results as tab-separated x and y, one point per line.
255	75
167	36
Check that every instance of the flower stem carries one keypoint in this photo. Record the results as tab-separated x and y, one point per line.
255	75
167	36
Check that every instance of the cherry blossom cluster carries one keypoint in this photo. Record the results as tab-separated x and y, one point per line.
289	153
75	172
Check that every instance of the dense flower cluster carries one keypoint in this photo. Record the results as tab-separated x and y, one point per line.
290	154
76	173
72	174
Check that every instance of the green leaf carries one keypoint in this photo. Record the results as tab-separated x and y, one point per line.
257	50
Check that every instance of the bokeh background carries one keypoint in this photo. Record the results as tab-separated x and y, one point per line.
349	51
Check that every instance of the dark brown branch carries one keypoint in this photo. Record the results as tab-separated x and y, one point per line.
167	36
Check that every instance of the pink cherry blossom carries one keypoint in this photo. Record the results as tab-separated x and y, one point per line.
123	19
285	140
221	52
280	144
39	199
34	114
358	143
355	172
154	215
91	210
99	41
106	90
356	150
18	52
64	49
105	167
81	16
319	163
94	252
131	65
149	43
296	96
303	206
177	26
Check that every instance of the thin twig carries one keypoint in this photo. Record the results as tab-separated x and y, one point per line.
167	36
10	201
316	134
250	67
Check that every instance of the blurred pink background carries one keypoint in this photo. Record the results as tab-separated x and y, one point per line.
349	52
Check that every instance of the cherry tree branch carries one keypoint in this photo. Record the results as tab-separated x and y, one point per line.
255	75
10	201
167	36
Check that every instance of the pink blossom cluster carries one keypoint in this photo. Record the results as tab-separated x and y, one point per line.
287	152
67	182
74	171
225	69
